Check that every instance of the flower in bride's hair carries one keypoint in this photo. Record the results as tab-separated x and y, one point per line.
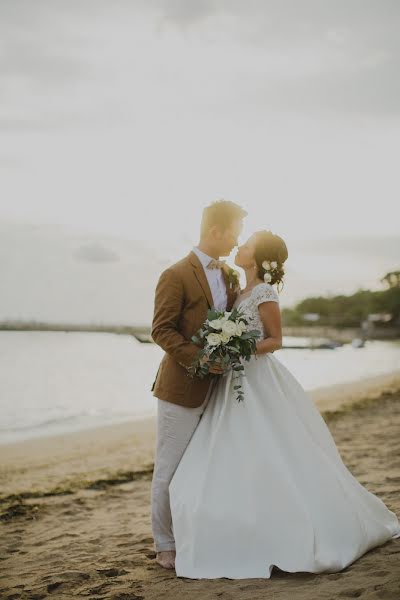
266	265
267	277
216	324
274	264
213	339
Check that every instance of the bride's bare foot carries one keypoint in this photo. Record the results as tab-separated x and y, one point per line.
166	559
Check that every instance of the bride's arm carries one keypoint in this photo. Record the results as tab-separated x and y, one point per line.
270	315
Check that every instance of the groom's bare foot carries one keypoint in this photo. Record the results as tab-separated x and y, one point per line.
166	559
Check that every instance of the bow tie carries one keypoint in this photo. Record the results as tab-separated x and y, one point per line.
215	264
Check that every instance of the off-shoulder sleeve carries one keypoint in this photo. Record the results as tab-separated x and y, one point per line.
265	292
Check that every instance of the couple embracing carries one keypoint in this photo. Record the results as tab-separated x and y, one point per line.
241	487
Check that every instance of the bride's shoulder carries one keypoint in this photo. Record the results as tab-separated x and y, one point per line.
264	292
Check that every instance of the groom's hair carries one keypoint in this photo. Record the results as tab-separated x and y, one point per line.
221	213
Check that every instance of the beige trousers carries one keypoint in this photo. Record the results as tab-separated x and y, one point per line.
175	426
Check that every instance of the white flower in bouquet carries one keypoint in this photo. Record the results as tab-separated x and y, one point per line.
225	317
240	328
216	324
267	277
230	328
225	337
213	339
274	264
266	265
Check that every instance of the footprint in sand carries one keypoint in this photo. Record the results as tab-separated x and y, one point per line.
113	572
392	479
129	596
352	593
147	540
53	586
125	545
100	589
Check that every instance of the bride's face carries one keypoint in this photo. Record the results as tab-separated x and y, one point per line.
245	255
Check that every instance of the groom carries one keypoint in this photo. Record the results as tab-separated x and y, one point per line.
184	293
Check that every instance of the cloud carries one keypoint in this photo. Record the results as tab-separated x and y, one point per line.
106	107
9	162
43	63
349	90
184	13
64	65
97	253
288	19
341	57
41	282
385	247
36	45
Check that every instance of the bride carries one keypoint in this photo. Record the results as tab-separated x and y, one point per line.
261	482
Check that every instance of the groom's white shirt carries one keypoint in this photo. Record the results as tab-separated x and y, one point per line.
215	280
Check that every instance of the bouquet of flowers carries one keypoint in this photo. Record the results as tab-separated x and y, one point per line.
224	339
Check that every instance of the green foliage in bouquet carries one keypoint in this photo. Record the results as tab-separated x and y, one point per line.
224	339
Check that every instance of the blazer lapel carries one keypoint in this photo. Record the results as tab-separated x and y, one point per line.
201	277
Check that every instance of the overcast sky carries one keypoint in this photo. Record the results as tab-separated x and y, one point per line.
128	117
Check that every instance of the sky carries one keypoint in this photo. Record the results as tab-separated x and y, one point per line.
121	120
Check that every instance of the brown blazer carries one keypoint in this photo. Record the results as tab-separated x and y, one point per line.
182	299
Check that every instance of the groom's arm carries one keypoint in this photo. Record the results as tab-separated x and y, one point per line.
168	306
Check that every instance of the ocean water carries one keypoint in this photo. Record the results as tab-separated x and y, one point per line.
55	382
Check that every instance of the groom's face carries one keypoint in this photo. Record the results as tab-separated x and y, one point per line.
229	237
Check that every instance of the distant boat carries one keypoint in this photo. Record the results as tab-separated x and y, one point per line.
328	344
303	343
145	338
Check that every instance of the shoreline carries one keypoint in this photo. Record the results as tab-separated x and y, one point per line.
125	450
340	396
326	398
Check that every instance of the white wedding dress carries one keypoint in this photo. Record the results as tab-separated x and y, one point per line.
262	483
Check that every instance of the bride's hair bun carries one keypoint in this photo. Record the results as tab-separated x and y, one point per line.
270	248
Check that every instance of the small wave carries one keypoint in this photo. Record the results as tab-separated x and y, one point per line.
88	415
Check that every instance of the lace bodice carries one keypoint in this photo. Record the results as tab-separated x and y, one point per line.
263	292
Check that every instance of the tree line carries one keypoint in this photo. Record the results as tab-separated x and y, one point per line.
352	310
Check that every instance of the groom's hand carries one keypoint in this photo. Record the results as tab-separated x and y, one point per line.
213	367
218	369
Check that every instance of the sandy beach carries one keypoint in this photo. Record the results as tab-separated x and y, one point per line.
75	510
